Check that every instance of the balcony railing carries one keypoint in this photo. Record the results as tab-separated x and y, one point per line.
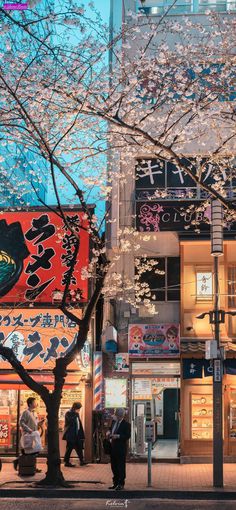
184	7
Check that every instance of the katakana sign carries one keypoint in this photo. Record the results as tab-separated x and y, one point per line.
164	180
38	337
49	248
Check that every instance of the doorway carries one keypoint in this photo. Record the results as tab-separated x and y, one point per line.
156	399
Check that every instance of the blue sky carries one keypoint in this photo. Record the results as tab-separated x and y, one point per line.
103	6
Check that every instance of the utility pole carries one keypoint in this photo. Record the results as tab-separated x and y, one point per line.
216	317
218	458
216	251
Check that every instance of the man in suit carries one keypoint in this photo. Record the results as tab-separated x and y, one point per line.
74	435
119	434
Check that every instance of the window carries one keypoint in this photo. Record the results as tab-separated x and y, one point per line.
204	284
232	286
166	286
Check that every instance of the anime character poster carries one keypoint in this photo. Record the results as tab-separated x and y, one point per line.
158	340
122	362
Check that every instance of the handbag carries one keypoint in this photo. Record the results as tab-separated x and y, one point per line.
31	443
106	446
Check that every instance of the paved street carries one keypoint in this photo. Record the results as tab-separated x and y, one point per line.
115	504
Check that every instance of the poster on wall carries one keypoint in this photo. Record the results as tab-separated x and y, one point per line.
142	389
115	393
157	340
5	430
38	337
36	250
122	362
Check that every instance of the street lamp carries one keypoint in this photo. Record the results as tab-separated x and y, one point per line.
216	318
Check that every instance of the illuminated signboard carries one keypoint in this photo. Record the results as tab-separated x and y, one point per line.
39	336
50	245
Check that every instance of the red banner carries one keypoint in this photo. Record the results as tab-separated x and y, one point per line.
51	246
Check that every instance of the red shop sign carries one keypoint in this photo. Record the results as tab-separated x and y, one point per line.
51	245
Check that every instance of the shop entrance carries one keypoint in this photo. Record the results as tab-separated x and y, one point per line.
13	403
156	397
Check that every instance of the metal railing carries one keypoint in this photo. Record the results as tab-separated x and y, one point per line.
188	7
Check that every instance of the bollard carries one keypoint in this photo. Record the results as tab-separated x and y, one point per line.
149	464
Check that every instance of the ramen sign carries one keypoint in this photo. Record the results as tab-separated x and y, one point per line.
156	340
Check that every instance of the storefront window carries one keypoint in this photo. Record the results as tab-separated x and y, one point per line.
8	420
202	416
9	416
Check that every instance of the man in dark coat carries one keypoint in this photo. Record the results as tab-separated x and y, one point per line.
119	434
74	435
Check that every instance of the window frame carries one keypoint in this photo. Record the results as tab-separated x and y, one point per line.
191	7
165	289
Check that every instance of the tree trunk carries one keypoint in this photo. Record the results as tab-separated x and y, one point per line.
54	475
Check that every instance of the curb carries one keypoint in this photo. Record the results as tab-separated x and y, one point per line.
105	494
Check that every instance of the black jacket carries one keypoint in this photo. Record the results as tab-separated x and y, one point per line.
124	431
71	432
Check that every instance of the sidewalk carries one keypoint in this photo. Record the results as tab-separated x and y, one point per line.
165	477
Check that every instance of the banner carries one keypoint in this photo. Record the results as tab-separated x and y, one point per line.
192	368
208	367
5	430
38	337
157	340
230	366
47	247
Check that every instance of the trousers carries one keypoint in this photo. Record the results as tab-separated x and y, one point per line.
118	459
78	447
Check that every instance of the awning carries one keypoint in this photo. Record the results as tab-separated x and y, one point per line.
194	346
9	381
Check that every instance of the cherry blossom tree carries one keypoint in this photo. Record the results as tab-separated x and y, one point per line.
166	92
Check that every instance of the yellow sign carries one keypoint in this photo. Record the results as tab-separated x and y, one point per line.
38	336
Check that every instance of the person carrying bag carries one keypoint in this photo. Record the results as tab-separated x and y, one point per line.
30	440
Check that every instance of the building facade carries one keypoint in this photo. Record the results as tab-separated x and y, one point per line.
154	364
36	251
